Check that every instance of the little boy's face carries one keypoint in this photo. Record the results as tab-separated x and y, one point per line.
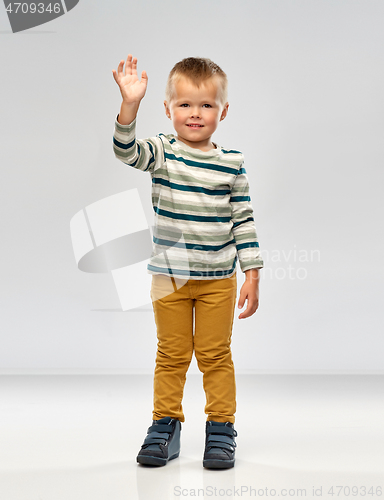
196	112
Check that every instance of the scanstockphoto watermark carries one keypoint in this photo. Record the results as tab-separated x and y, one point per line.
25	15
238	491
331	491
291	263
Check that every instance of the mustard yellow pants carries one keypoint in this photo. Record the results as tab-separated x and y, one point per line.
214	304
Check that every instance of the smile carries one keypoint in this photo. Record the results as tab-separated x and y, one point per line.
195	126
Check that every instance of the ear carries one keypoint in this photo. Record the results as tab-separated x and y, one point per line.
225	111
167	112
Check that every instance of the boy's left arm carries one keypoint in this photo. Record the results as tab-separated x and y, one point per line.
247	246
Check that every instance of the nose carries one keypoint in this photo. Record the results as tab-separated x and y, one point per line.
195	113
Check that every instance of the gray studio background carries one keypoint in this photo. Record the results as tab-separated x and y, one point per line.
306	108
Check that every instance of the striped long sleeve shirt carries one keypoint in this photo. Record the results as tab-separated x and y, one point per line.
203	214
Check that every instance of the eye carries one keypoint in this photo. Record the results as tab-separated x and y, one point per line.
208	105
185	104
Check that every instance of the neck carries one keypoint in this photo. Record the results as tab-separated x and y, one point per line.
203	145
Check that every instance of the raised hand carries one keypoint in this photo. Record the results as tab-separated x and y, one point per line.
132	89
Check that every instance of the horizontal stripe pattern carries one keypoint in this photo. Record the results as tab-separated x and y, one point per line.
204	219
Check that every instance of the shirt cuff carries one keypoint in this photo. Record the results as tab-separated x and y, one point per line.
125	128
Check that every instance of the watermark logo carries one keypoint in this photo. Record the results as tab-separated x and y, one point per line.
112	236
27	14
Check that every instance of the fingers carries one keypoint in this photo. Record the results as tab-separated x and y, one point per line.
244	313
130	68
252	306
119	73
240	305
128	65
134	66
248	312
131	65
144	77
242	299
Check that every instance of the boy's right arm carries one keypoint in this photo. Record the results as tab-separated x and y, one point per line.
141	154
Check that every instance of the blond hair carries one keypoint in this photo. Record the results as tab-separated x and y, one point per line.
198	70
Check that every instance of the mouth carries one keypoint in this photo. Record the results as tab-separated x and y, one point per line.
192	125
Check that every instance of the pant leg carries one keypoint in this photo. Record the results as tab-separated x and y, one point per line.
173	312
214	314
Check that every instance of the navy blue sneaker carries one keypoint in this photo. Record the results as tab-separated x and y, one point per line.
220	445
162	442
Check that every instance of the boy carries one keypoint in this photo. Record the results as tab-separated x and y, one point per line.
200	198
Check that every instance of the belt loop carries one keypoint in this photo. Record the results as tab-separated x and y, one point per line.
174	284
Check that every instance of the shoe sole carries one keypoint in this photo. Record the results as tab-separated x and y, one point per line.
218	464
148	460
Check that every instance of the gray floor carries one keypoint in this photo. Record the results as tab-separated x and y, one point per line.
76	438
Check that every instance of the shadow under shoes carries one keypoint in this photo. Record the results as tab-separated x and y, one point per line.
162	442
219	445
